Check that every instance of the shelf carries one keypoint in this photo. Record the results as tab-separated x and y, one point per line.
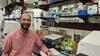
71	16
81	26
43	7
11	18
45	18
44	26
56	3
14	4
80	16
64	2
84	17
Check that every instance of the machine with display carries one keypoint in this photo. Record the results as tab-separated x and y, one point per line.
90	45
53	39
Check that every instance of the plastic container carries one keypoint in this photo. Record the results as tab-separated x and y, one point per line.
53	14
82	12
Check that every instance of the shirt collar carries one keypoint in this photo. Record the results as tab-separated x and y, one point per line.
22	33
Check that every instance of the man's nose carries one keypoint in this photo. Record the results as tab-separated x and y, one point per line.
26	21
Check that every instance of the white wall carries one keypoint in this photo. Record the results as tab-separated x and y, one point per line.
0	26
2	3
2	12
10	25
1	15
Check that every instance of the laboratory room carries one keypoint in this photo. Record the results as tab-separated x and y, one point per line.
49	27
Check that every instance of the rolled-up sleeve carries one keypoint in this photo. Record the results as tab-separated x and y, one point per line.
40	45
6	46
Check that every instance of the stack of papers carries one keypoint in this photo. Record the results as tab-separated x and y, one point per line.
54	51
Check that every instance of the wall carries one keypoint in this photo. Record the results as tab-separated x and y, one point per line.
1	15
2	3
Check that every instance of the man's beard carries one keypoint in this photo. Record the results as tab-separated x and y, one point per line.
25	26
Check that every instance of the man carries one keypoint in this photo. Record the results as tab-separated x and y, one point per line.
21	41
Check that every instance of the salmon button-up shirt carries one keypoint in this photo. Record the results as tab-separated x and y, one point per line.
18	43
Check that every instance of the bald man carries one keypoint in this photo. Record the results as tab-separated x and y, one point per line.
21	41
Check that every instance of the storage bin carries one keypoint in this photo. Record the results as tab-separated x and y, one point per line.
82	12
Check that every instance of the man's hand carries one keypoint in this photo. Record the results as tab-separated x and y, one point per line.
49	53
